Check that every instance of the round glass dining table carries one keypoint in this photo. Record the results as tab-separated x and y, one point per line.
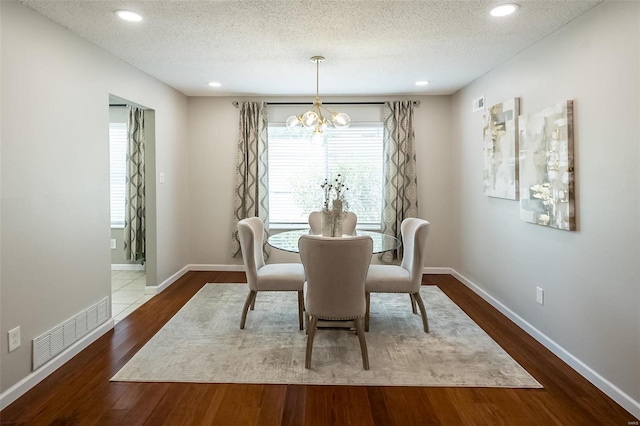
288	240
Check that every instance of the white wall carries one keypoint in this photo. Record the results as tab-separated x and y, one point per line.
590	277
55	176
213	138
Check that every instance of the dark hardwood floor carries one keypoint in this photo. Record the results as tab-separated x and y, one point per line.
79	393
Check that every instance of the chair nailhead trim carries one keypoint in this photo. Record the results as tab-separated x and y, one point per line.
339	318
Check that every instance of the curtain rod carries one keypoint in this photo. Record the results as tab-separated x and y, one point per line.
237	104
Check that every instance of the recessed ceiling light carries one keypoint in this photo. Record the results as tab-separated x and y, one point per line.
128	15
422	83
504	9
214	84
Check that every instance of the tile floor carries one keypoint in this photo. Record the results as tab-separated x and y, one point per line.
127	292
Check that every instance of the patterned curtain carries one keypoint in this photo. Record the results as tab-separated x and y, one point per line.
134	216
252	178
400	198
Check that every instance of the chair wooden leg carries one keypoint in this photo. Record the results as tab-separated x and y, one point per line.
311	331
423	311
253	303
300	309
363	343
250	298
413	304
366	315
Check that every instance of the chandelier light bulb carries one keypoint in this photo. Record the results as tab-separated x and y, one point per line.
294	121
310	119
340	120
317	137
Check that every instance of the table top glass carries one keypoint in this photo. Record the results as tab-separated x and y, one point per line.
288	240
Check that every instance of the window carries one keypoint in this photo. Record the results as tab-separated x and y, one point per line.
297	168
118	167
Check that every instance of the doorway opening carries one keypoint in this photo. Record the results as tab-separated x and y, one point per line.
130	206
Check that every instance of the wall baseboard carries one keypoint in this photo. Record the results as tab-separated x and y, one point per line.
127	267
612	391
223	268
155	289
24	385
436	271
150	289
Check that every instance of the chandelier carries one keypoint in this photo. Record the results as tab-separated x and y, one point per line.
314	118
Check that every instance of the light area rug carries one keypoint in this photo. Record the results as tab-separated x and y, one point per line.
203	343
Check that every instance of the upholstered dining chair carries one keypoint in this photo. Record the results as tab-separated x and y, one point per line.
336	270
348	225
315	222
262	277
407	277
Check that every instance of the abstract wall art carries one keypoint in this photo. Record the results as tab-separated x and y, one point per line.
500	135
546	167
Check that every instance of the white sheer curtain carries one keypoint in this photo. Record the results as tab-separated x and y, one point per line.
252	177
400	199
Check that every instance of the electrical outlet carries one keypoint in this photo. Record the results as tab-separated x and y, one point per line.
161	177
113	243
540	295
14	339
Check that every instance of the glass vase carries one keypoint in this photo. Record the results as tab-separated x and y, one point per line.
326	221
338	218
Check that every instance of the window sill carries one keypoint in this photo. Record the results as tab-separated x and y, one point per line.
287	226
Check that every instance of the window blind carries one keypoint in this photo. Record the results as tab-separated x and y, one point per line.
118	167
297	168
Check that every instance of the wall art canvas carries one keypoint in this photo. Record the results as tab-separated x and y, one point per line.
546	167
501	150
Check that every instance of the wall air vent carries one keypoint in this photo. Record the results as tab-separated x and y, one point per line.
60	337
478	104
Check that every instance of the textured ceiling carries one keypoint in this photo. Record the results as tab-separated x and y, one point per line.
264	47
